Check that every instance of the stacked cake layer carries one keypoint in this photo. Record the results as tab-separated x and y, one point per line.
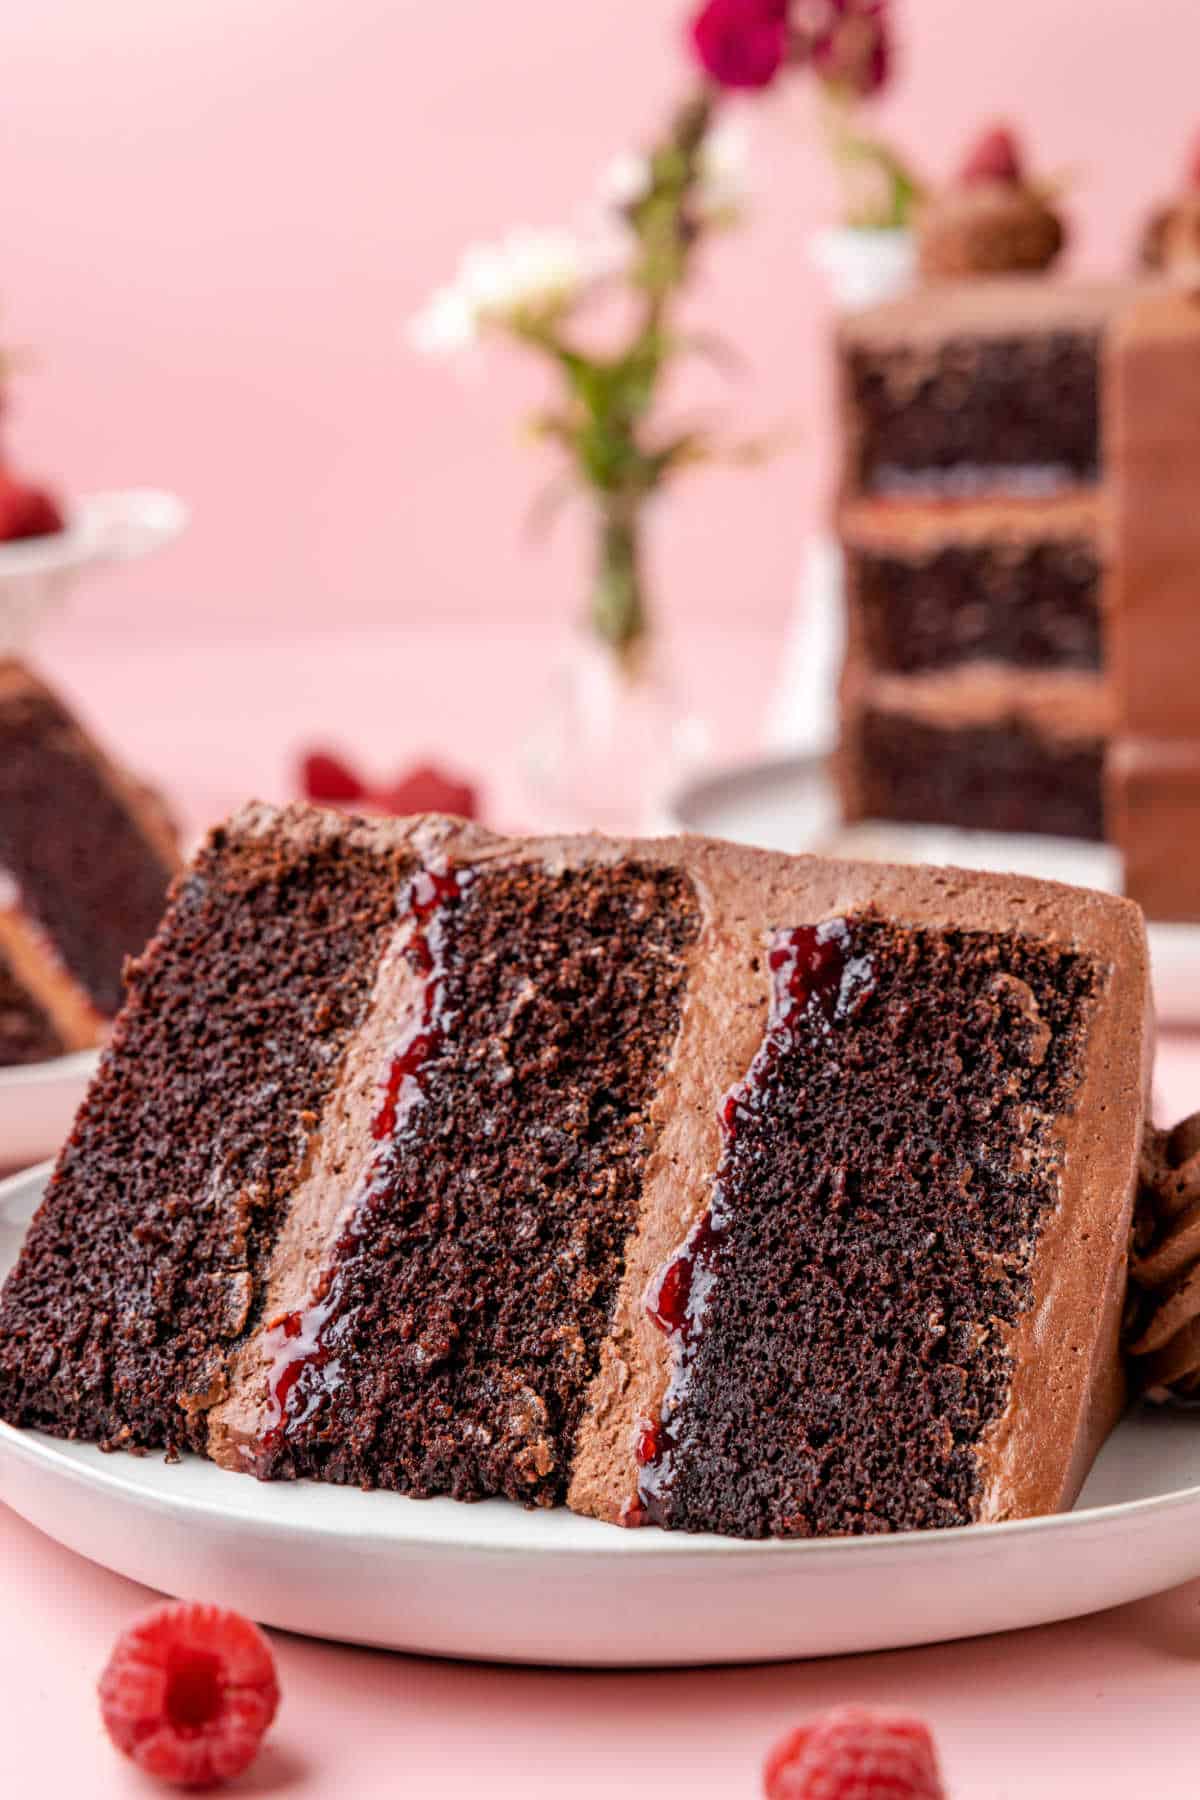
975	522
678	1183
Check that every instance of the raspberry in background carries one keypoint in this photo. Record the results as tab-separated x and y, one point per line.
329	779
26	511
325	776
855	1754
189	1692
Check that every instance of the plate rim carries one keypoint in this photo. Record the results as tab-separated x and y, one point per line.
68	1067
49	1455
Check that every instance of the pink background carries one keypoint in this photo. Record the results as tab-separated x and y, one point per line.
217	214
215	217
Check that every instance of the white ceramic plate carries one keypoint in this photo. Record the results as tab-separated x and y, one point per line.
36	574
495	1582
38	1102
787	803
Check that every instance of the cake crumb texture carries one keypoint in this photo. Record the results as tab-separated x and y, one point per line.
146	1257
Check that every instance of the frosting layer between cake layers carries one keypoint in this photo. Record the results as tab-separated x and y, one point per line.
679	1182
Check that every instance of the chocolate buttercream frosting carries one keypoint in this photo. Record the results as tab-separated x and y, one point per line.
994	228
1163	1324
991	220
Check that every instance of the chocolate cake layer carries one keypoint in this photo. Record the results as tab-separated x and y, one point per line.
1032	603
89	855
985	386
979	413
839	1316
144	1264
994	776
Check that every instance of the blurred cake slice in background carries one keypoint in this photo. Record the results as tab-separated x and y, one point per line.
86	857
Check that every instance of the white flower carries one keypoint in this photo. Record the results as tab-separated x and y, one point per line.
724	160
526	272
444	326
626	180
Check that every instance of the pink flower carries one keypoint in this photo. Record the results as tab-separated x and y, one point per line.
741	43
852	50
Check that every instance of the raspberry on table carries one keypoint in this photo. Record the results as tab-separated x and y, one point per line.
854	1754
188	1693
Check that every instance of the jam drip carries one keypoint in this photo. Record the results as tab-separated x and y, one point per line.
304	1348
817	981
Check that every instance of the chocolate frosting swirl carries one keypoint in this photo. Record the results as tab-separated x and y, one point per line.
1163	1322
992	228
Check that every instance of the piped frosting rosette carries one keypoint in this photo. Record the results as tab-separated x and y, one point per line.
1163	1326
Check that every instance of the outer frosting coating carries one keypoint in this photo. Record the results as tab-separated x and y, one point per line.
1152	804
1003	306
1153	403
988	228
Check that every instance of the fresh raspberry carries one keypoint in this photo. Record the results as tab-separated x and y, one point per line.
853	1754
426	789
994	158
26	512
188	1693
326	777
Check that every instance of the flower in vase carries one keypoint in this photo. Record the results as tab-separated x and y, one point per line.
527	275
627	180
741	43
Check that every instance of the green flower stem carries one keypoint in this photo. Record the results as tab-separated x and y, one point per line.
618	603
879	190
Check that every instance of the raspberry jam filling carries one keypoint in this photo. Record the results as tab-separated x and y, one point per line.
304	1347
816	981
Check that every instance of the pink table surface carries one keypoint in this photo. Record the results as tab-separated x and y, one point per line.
1098	1707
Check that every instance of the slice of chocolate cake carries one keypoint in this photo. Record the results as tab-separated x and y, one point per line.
676	1182
85	859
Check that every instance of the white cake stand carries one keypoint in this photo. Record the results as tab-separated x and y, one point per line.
37	574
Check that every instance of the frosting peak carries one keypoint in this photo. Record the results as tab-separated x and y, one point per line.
1163	1329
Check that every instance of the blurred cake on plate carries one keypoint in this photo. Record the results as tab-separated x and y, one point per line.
86	856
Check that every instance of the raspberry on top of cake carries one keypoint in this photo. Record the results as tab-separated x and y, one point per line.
677	1182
